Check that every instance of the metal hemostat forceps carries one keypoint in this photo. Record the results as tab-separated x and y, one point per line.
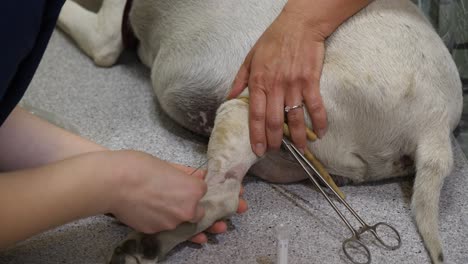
381	231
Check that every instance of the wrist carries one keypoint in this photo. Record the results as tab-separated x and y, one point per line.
121	175
304	13
108	177
322	16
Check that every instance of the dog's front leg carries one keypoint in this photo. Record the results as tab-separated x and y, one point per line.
230	157
97	34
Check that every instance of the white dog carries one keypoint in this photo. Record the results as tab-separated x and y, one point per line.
389	85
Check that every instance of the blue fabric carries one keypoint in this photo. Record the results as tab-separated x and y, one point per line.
25	30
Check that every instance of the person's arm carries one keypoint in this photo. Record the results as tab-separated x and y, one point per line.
27	141
55	177
324	16
284	69
34	197
35	200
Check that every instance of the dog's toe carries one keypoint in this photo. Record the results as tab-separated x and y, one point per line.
118	257
150	247
138	250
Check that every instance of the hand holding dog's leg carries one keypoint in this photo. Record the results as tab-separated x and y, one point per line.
153	195
225	173
220	226
229	139
284	68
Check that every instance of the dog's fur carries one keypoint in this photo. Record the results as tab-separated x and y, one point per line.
389	85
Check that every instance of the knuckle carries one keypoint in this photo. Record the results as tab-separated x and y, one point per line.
301	78
295	119
274	123
181	214
301	145
257	80
277	81
306	81
274	144
203	189
298	135
171	225
187	215
257	136
199	188
257	115
315	76
290	81
188	212
314	103
300	140
149	229
172	222
320	120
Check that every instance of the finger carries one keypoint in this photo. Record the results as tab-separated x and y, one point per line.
316	109
217	228
295	116
257	107
241	191
199	213
242	77
242	207
199	238
274	117
200	173
240	82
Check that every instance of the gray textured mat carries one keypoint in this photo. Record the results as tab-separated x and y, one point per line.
116	108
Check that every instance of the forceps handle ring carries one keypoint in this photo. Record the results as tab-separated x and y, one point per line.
305	164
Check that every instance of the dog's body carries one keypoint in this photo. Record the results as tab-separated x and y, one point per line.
390	88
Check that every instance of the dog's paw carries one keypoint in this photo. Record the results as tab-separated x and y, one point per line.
136	249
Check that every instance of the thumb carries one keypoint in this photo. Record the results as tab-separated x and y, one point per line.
240	83
242	78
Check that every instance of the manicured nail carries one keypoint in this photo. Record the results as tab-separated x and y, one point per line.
321	133
302	150
259	149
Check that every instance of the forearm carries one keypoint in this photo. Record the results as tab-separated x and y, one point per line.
35	200
325	15
27	141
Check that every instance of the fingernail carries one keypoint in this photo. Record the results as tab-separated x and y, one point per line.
259	149
321	133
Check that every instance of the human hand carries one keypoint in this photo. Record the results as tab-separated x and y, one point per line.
220	226
153	195
283	69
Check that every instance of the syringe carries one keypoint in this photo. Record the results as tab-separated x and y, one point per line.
282	243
